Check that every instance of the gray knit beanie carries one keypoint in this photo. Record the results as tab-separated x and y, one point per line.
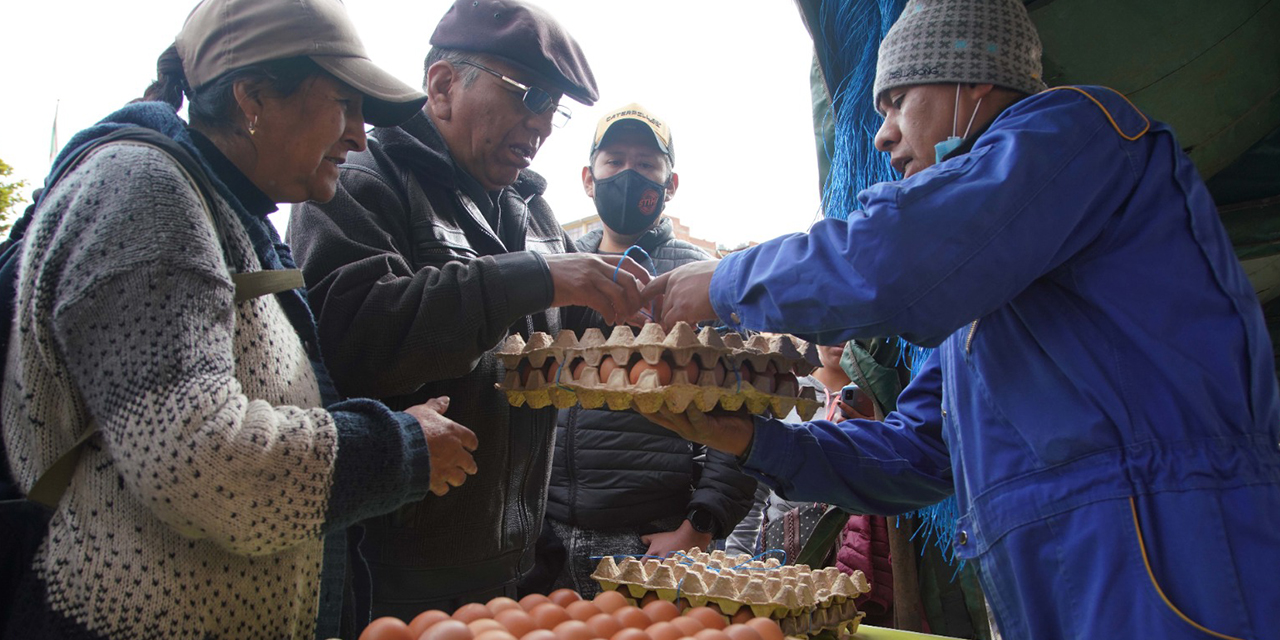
944	41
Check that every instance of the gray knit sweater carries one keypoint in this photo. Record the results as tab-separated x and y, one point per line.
199	510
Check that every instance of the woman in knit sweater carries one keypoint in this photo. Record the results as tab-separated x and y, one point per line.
201	507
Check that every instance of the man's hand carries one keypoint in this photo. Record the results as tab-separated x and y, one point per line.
590	280
450	445
682	539
727	432
683	293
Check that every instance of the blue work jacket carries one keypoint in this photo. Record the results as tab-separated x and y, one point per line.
1097	336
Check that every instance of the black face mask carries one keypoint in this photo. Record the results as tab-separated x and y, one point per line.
628	202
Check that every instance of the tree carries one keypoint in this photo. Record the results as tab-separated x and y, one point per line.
11	198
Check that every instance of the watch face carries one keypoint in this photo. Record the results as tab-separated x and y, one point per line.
701	520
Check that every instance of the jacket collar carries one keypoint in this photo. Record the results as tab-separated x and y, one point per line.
418	144
655	237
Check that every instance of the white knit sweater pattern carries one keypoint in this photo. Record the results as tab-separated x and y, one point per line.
197	510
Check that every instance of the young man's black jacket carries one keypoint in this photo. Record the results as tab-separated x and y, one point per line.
614	470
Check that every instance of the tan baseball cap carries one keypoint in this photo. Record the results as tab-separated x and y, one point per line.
224	35
635	117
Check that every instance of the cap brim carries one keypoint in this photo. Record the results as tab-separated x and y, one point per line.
579	94
388	101
637	124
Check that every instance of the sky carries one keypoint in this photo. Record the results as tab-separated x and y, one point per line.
731	77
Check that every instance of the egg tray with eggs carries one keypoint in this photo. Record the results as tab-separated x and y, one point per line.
647	370
805	602
564	615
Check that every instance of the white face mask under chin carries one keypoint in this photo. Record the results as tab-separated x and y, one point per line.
945	147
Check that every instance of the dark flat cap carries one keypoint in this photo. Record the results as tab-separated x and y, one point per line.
523	35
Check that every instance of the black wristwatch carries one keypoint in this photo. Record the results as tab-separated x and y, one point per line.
702	520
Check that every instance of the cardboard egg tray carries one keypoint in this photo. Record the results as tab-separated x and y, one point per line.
702	368
803	601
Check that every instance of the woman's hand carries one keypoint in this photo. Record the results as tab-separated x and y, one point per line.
450	445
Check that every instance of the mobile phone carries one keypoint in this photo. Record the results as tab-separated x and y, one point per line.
856	403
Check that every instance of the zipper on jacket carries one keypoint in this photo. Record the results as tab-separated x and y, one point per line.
570	432
968	342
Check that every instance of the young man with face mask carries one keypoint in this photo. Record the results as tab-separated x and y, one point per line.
619	483
1103	399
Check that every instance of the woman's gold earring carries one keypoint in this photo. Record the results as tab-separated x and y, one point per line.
253	126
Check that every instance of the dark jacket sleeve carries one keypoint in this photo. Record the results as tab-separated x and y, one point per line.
724	490
385	330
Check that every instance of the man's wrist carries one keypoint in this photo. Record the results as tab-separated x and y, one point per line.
702	521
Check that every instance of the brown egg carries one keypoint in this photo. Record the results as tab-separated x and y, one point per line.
692	371
387	628
663	369
532	600
651	596
448	630
607	366
710	618
548	614
604	625
661	611
610	601
517	621
496	634
539	634
711	634
633	617
741	632
630	634
472	611
582	610
766	627
688	625
682	604
553	370
500	604
664	631
424	621
718	372
526	371
579	366
744	614
482	625
573	630
563	597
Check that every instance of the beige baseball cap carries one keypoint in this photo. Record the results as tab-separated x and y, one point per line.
224	35
636	117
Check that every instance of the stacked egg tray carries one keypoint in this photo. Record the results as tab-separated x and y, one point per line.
804	602
684	368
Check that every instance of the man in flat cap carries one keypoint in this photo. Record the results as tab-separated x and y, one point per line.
437	246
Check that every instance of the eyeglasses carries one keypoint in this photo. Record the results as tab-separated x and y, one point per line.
535	99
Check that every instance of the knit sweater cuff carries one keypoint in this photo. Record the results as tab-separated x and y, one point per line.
382	462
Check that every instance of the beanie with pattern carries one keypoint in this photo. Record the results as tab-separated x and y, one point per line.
945	41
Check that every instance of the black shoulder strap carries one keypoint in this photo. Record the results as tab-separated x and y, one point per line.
52	484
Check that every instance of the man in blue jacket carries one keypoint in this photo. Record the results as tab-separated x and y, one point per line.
1103	400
